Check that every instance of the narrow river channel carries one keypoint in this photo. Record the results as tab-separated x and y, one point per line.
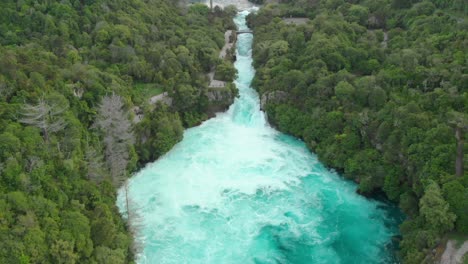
235	190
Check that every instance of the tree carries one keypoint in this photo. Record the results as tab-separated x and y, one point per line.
345	92
57	62
435	210
226	72
46	116
95	164
457	196
405	76
358	14
460	123
105	255
279	48
118	135
103	229
377	98
76	226
62	252
158	132
134	220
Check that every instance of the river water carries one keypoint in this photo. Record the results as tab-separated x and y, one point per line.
235	190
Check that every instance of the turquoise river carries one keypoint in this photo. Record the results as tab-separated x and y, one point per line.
235	190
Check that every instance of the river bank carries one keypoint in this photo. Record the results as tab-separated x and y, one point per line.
455	252
235	190
323	82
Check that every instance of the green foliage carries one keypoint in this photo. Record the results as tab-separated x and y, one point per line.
435	210
344	92
158	132
142	91
370	86
456	195
58	60
226	72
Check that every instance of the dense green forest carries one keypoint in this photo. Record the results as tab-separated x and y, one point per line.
379	90
71	73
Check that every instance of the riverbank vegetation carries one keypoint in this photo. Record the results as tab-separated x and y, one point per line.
378	89
71	72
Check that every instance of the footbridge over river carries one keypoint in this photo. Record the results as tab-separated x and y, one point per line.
244	32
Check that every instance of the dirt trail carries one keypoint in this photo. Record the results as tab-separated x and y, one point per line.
296	20
453	255
227	44
385	40
222	55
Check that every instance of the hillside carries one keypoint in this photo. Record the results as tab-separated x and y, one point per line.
379	90
72	74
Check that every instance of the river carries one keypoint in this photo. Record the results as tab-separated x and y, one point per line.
235	190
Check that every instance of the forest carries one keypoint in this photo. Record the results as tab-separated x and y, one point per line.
378	89
71	74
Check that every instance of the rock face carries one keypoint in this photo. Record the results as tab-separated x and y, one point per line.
225	54
296	20
452	254
375	22
219	95
273	97
138	114
220	98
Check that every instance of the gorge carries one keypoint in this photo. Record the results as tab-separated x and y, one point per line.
235	190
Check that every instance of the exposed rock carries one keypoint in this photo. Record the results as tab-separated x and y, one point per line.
375	22
229	44
164	97
452	254
229	41
219	95
273	97
138	114
296	20
220	98
385	40
78	92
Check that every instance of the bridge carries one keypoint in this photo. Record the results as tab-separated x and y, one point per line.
244	32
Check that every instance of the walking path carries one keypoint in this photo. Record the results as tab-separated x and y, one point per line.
227	44
215	83
222	55
452	255
164	97
296	20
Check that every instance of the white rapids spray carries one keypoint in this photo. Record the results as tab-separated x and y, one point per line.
237	191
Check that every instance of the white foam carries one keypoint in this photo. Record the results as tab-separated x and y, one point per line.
215	196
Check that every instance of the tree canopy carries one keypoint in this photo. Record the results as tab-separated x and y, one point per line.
378	89
70	78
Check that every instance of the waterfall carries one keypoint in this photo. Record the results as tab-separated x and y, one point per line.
235	190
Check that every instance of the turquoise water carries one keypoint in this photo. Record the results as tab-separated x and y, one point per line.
235	190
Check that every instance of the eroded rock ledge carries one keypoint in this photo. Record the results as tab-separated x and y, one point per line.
273	97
